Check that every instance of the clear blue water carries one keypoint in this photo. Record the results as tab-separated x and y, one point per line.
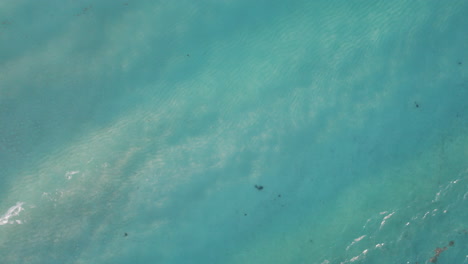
136	132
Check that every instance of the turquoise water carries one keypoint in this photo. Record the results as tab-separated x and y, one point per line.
138	131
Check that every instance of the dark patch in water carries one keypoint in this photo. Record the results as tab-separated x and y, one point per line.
440	250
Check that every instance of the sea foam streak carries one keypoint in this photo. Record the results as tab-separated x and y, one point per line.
13	211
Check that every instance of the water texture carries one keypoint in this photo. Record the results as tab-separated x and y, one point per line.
233	132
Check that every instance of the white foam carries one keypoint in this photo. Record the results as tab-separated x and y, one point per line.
69	174
12	212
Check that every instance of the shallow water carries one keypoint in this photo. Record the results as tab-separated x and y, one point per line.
136	132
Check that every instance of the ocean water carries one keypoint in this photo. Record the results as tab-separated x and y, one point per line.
233	132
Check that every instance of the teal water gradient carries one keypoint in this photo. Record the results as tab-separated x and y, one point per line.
135	132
